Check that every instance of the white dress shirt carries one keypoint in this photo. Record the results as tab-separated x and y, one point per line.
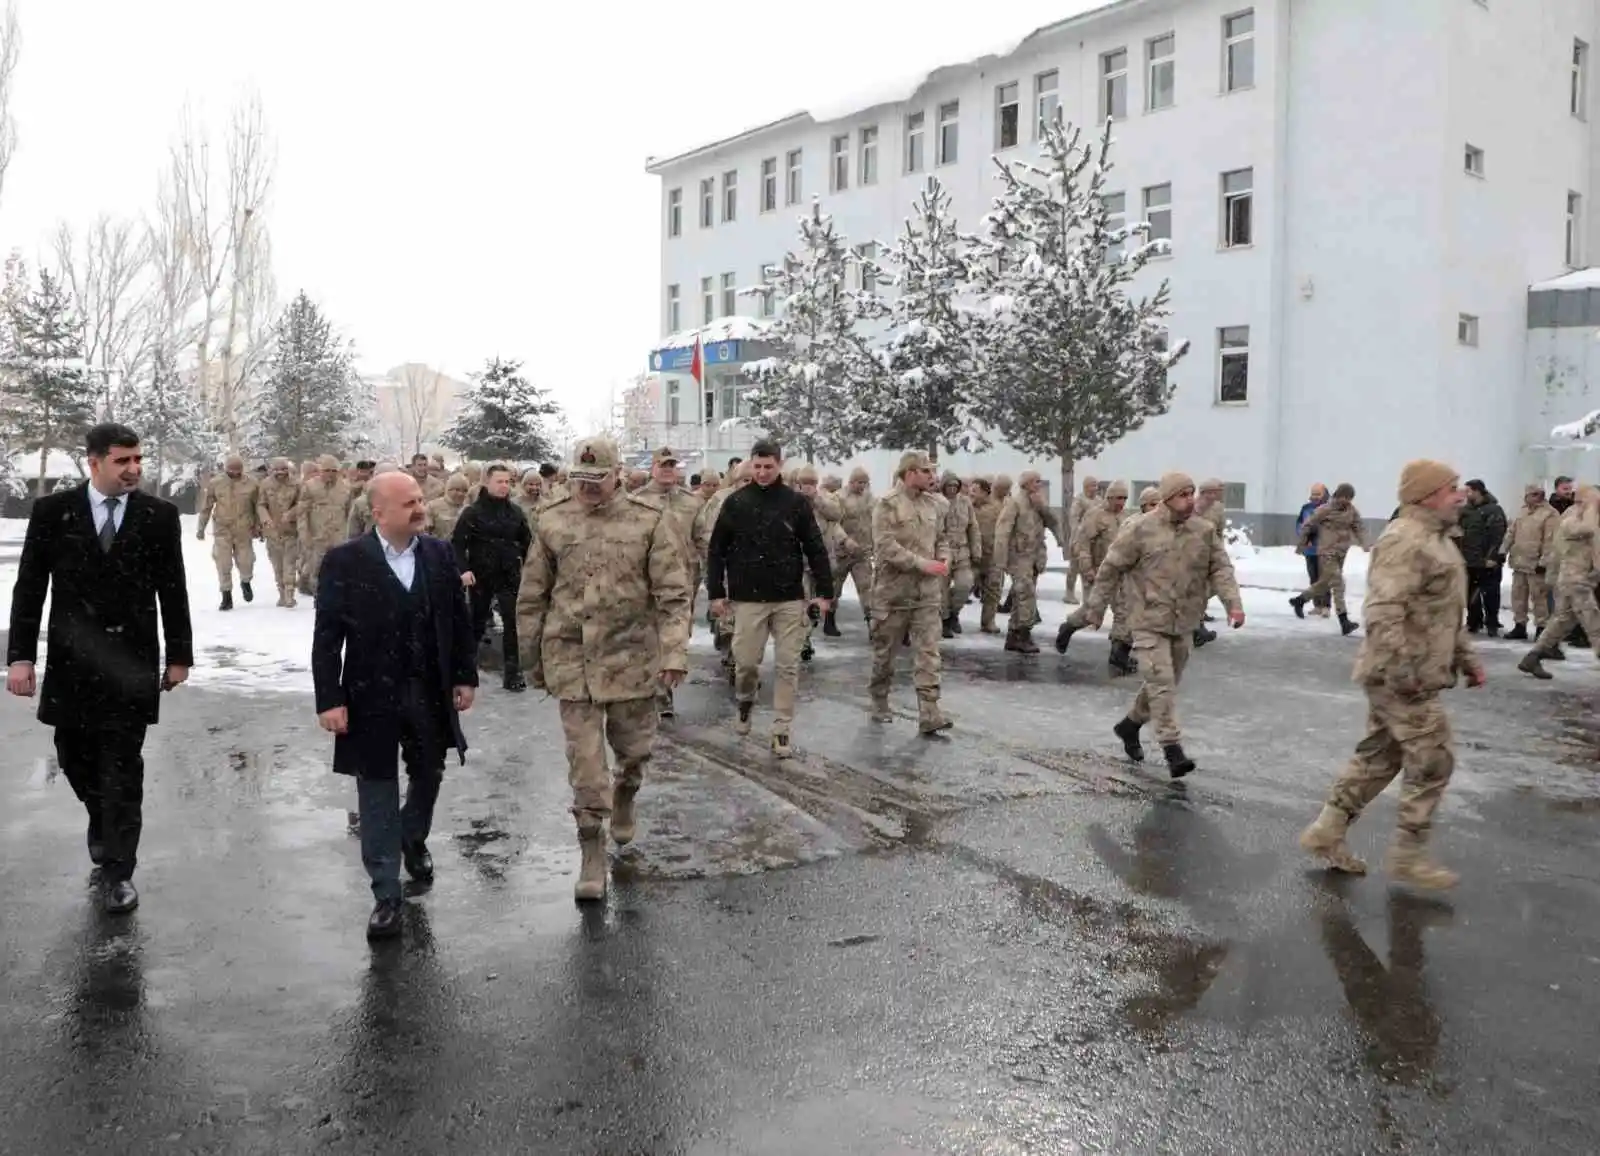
97	508
402	562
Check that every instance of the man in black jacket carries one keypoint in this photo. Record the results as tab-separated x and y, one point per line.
106	553
765	537
491	541
1483	530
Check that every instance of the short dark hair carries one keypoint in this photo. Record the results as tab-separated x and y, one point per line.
1563	480
767	448
102	438
694	479
497	468
415	458
363	464
548	470
1345	490
733	462
1476	485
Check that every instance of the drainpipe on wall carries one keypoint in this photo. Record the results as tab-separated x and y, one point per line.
1274	487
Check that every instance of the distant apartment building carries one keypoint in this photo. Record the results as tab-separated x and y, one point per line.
414	405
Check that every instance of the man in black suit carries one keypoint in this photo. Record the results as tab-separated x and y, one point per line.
107	553
394	661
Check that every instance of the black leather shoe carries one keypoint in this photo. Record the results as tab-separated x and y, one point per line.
249	594
386	919
122	898
419	864
97	847
515	682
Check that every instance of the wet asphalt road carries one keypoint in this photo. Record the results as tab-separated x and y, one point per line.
1004	942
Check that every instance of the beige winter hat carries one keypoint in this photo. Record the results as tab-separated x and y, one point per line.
859	474
1174	484
1117	490
1423	477
1149	494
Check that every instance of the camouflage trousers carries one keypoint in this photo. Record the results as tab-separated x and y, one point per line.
1162	658
957	587
892	625
989	589
311	552
858	568
1525	588
1024	598
1073	575
1330	580
230	548
1403	734
1574	605
284	554
787	624
628	727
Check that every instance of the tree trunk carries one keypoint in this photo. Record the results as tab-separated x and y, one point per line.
1069	489
44	459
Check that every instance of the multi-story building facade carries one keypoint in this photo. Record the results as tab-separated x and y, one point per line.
1358	194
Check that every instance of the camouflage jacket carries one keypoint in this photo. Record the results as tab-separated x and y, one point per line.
1415	614
1575	546
1217	515
230	503
1337	526
278	507
324	512
432	488
1081	506
1530	540
530	510
360	519
684	510
857	518
961	527
1092	539
1167	570
985	514
1019	535
907	530
603	606
442	517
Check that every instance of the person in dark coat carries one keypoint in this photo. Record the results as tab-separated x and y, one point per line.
1319	498
107	553
491	540
1483	530
394	663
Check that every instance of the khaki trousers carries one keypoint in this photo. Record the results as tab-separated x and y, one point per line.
858	568
1574	605
284	554
1162	658
230	548
630	729
1525	588
922	623
785	623
1403	734
1330	580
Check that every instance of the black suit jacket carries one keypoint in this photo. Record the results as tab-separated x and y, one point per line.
104	660
357	649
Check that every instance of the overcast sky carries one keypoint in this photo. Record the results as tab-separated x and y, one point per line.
454	180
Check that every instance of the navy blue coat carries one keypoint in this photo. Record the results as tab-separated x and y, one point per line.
1299	523
357	649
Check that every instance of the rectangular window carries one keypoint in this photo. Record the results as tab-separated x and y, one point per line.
1467	329
1574	230
730	195
1161	76
708	203
1046	101
673	401
765	300
1239	52
914	157
1474	160
674	309
1116	218
769	184
1158	211
869	274
791	185
949	130
1236	208
839	164
1233	364
708	301
1233	495
1006	112
730	301
1580	79
1114	85
675	213
867	162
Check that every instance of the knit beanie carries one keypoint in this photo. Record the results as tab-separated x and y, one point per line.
1173	484
1149	494
1422	478
1117	490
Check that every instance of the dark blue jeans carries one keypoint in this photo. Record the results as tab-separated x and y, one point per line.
386	825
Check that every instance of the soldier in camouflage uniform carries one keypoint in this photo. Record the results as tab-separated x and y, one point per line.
1081	505
684	510
1091	542
1416	646
278	514
1002	490
1019	547
1529	546
638	480
324	518
1577	552
913	553
1337	526
1149	499
855	562
530	496
991	576
1166	563
359	520
230	507
829	512
474	473
1208	504
431	486
445	512
360	474
722	624
966	546
603	620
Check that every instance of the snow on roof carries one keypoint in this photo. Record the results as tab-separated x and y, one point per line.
722	329
896	88
1579	279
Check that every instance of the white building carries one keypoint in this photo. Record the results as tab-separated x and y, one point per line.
1359	195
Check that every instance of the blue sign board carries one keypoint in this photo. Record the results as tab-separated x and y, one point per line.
681	360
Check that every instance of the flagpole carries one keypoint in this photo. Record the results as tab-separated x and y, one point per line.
698	368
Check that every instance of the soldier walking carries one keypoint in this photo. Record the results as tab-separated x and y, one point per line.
1530	548
603	614
529	496
359	520
966	544
856	562
1091	542
985	512
324	513
1081	505
432	487
1210	506
722	624
1416	646
1337	526
683	513
1168	563
1019	547
1577	551
445	512
278	514
230	508
910	542
829	513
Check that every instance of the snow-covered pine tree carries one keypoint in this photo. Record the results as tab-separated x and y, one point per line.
46	400
506	417
174	430
930	353
808	394
1074	361
310	405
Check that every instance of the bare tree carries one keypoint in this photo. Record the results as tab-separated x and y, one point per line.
108	277
422	390
252	161
10	53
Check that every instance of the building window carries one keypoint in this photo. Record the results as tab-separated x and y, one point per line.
791	186
1474	160
1233	495
1580	78
1116	218
1233	364
672	402
1046	101
949	129
1161	75
1236	208
769	184
1239	52
1006	113
708	301
675	213
1114	85
1158	211
764	301
730	195
1467	329
839	166
867	163
730	303
914	158
869	268
708	203
674	309
1574	230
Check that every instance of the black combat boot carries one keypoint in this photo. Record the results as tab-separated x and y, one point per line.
514	681
1299	605
830	625
249	594
945	629
1518	633
1178	763
1121	660
1579	638
1064	634
1347	627
1556	654
1531	664
1202	636
1025	642
227	600
1128	731
806	652
955	623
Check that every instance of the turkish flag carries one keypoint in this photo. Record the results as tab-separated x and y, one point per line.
697	369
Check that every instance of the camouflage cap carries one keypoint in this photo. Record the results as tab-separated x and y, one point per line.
594	460
664	456
806	475
1174	483
532	475
327	462
951	478
1211	484
859	474
282	464
912	460
710	478
1532	488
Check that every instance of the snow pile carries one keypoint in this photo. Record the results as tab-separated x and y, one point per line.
1237	540
1573	431
722	329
